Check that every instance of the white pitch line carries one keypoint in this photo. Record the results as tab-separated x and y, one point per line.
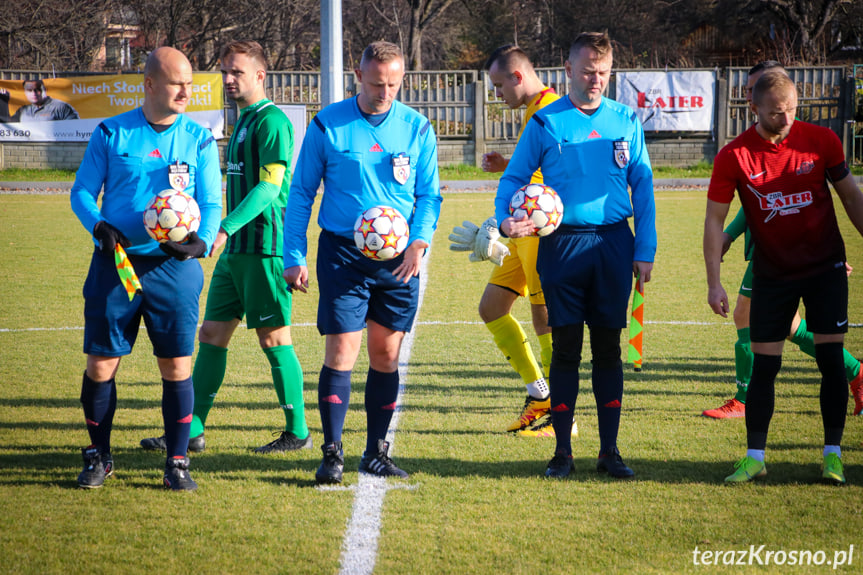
25	329
360	546
417	323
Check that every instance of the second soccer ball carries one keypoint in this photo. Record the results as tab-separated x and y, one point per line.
541	204
381	233
171	215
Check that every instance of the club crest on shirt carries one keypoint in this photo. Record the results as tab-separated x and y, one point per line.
621	153
805	168
178	175
241	137
401	168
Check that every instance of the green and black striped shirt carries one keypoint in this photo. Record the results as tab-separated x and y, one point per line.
263	135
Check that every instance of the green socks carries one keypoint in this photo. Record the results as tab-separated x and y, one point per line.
207	378
742	363
288	381
803	339
209	373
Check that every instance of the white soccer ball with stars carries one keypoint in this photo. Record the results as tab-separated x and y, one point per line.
381	233
172	215
541	204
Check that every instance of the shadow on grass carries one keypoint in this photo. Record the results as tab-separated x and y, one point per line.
646	470
124	404
658	371
61	469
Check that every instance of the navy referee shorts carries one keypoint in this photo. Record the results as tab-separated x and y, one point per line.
355	288
586	274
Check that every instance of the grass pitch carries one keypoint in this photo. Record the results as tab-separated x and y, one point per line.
477	501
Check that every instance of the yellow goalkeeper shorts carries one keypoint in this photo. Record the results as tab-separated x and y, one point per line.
518	272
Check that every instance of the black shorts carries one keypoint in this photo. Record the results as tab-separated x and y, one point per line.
774	302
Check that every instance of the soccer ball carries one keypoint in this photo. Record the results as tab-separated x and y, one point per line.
381	233
541	204
171	215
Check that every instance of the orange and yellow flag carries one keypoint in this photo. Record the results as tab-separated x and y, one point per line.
127	272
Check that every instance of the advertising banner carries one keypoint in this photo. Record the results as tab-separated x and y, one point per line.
296	113
69	109
670	101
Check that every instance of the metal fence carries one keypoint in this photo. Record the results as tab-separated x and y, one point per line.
446	98
819	101
42	74
503	123
462	104
857	121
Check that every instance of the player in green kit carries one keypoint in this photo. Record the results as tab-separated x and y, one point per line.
248	278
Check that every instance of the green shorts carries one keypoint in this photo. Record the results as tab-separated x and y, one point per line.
746	283
251	285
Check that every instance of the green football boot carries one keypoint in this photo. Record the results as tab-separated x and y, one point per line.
747	469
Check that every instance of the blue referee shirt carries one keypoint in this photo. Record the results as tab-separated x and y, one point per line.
590	161
130	159
358	164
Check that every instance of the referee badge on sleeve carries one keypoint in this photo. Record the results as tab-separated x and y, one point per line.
621	153
401	168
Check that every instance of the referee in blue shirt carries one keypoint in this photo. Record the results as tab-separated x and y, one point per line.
360	148
130	158
591	150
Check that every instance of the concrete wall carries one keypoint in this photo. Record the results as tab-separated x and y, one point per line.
681	152
455	152
59	155
677	152
67	155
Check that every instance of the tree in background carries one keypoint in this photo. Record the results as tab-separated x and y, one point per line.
810	22
406	23
646	34
423	14
435	34
794	31
850	35
288	29
63	35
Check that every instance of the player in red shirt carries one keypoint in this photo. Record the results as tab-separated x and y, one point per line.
799	334
780	168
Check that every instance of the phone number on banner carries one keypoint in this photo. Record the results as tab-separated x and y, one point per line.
14	133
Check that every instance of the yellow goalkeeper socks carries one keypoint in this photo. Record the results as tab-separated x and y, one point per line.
512	341
545	352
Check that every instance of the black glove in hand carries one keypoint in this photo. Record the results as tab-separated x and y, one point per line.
108	237
194	247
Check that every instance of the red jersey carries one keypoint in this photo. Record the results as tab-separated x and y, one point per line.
784	193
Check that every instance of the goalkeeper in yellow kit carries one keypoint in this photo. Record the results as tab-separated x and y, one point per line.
516	83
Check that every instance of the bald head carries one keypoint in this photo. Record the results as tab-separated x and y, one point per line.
167	85
163	58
